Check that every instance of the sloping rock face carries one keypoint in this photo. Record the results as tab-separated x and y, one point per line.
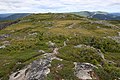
20	75
84	71
37	70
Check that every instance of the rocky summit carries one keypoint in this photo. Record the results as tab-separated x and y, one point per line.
59	46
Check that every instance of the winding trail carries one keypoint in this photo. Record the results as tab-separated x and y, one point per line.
38	69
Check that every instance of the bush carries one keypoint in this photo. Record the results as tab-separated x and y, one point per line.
104	44
79	54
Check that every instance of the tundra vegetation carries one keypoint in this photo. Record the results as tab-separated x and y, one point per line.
23	41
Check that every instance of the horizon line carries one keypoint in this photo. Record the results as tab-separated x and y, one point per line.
56	12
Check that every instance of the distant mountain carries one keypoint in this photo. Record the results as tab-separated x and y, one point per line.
84	13
116	14
99	15
12	16
5	15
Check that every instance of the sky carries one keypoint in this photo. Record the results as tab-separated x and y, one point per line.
43	6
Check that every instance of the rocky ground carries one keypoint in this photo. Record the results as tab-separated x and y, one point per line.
60	46
39	69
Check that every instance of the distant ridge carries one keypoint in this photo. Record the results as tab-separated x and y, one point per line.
99	15
13	16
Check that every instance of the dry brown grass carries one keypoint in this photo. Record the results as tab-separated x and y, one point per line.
19	26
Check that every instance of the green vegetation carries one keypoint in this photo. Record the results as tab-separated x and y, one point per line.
33	33
65	71
105	44
82	54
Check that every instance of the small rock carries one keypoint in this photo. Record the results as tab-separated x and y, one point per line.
51	44
41	51
119	33
98	26
33	34
2	47
78	46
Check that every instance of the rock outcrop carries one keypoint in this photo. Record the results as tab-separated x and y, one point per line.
84	71
38	69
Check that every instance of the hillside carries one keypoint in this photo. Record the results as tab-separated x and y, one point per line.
57	46
12	16
5	15
99	15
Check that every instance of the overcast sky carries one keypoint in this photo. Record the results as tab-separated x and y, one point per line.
11	6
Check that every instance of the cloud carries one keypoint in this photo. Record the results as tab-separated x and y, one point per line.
9	6
115	4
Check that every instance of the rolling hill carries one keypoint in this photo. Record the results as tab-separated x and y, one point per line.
13	16
5	15
60	46
99	15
